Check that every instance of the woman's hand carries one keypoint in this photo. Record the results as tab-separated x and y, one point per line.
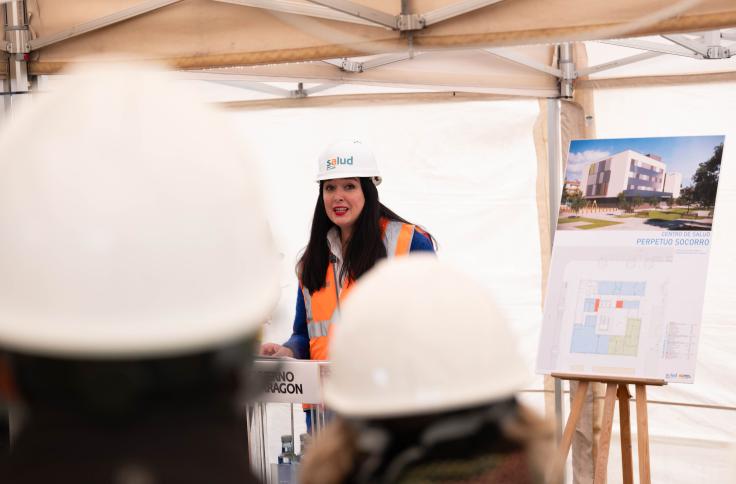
273	349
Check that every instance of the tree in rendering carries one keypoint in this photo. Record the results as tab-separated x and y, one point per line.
621	201
705	179
686	198
637	202
625	204
576	201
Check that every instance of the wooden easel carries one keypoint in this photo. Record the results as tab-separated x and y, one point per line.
616	388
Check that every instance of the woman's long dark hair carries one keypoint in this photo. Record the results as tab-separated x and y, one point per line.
365	246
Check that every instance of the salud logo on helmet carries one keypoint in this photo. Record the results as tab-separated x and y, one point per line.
347	159
333	162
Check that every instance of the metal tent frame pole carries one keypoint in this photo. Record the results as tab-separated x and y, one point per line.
15	42
566	68
554	162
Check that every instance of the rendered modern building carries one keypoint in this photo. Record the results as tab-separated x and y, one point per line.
630	172
672	183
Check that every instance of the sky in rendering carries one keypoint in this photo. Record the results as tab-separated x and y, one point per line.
681	154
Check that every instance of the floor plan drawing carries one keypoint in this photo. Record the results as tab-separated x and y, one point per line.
607	319
622	310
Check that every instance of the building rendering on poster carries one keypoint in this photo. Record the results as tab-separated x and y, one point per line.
627	279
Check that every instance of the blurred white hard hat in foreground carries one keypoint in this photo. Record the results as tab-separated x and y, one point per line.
130	223
417	337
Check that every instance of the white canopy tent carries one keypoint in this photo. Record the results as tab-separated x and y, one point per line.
390	63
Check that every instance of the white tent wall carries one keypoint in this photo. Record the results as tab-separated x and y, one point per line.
464	171
690	442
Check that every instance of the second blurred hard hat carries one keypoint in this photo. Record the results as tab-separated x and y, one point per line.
418	337
130	223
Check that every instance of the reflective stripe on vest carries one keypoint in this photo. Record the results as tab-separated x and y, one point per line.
307	303
318	328
397	237
320	306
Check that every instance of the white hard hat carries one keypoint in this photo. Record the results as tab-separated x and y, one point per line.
417	337
347	159
130	223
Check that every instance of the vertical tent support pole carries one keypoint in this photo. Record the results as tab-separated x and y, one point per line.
5	83
16	40
555	163
15	30
553	159
564	56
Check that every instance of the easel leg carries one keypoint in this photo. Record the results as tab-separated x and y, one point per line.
577	407
642	430
623	410
601	463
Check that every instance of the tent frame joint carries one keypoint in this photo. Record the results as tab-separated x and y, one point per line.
708	46
299	92
410	22
566	64
348	65
18	42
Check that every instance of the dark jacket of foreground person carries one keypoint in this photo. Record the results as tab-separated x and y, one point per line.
159	421
505	444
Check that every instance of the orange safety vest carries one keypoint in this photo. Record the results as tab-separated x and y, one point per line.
321	305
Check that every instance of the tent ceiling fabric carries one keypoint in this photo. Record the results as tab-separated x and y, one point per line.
193	34
468	71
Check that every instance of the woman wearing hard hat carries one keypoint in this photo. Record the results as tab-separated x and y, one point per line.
136	271
351	231
423	379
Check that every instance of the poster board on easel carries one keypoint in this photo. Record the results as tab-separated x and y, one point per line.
627	278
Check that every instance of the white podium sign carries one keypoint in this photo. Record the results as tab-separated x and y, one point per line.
288	380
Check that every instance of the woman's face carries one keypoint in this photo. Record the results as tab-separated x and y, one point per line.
344	201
